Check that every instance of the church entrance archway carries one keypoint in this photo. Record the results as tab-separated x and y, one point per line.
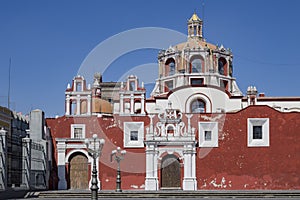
170	173
78	170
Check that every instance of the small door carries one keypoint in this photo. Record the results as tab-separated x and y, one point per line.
79	177
170	172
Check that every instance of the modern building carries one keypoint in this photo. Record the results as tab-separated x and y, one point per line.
5	123
25	149
197	131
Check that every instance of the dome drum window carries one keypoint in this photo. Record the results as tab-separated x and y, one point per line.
222	66
196	82
198	106
196	65
170	67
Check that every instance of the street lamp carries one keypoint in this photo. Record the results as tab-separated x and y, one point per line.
94	152
118	156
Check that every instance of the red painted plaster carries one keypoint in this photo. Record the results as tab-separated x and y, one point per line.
231	166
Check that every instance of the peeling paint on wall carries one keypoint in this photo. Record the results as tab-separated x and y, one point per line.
222	184
134	186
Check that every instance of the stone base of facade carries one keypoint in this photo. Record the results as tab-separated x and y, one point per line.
189	184
151	184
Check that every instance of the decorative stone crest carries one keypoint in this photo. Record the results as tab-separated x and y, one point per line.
170	124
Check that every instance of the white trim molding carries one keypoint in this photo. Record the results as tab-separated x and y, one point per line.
210	128
136	127
265	140
73	126
204	98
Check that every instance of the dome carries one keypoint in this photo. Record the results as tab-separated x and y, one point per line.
195	43
101	106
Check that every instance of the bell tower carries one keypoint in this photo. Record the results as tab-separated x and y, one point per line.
195	27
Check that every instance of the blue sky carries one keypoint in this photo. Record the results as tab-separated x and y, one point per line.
48	41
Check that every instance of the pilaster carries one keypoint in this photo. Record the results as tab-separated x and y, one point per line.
89	103
151	182
78	104
68	105
189	179
131	104
143	104
121	103
61	164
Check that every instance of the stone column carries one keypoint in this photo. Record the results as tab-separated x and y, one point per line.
131	104
68	105
26	168
78	105
151	182
121	103
89	103
61	164
189	127
151	130
143	104
3	156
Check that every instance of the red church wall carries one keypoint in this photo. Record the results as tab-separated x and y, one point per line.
234	166
230	166
110	129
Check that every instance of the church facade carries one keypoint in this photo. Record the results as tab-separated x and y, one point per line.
197	131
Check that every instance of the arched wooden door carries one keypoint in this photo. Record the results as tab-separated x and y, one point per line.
170	173
79	177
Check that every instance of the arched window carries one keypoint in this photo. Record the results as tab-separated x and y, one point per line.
78	87
222	66
197	65
74	107
83	107
198	106
170	67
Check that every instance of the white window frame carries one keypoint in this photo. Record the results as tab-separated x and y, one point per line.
208	126
73	126
133	126
191	78
265	123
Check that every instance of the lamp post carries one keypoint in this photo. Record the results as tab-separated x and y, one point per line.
118	156
94	152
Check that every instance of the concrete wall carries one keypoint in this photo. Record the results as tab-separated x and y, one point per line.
37	124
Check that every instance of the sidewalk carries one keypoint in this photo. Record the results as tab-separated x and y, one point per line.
13	193
174	194
86	194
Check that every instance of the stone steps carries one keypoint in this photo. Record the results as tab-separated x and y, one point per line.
169	194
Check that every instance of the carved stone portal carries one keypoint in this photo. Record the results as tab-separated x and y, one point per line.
170	136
